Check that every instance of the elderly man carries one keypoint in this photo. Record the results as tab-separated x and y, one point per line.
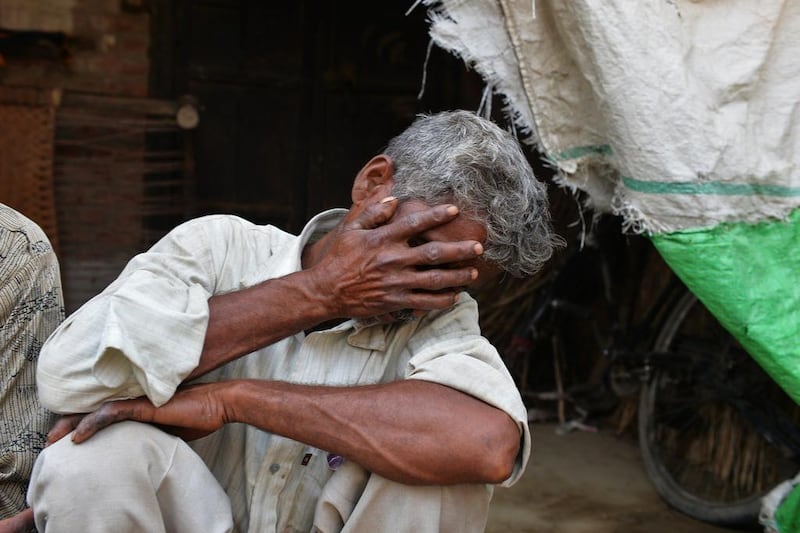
331	381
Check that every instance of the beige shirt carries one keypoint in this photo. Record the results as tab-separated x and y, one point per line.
144	334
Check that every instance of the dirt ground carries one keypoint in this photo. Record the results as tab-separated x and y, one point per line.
583	482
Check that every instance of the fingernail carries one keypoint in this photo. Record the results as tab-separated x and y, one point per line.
478	248
473	273
452	210
388	199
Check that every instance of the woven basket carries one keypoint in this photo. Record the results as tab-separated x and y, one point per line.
27	117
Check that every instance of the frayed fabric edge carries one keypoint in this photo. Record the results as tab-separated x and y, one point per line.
771	502
438	17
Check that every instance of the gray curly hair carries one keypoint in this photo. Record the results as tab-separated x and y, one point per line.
459	157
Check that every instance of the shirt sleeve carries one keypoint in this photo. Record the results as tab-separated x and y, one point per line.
143	334
450	350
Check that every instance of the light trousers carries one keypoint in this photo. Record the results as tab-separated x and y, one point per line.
106	484
134	478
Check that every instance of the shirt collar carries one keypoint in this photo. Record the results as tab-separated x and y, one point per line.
314	230
360	334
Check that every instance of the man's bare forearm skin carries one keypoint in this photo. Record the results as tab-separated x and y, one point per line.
409	431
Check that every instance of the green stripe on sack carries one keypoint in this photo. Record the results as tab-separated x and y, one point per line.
719	188
709	187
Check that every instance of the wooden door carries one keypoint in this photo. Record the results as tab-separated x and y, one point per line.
296	96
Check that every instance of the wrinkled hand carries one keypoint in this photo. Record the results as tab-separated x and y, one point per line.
193	412
370	269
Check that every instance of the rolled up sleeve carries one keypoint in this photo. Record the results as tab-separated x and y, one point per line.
141	336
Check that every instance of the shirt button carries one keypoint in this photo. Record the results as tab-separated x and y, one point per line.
334	461
274	467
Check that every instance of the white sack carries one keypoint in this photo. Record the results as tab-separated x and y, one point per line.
675	114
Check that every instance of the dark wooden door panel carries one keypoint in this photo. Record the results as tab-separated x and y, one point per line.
246	149
296	96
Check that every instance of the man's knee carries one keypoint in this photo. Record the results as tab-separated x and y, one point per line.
124	460
125	449
131	476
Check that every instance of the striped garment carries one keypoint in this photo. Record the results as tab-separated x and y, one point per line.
31	306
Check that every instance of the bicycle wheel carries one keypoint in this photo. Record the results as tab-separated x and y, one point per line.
715	432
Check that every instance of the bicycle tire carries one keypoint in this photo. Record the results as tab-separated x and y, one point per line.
696	406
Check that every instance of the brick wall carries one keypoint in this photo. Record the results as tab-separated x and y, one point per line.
94	52
102	45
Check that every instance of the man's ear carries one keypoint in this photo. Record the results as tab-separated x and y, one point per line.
376	176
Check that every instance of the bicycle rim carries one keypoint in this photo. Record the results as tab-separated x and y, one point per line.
699	444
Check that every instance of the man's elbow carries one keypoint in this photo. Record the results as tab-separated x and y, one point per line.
60	395
66	402
51	396
503	450
47	385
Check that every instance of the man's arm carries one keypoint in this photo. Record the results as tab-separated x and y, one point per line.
366	269
168	318
410	431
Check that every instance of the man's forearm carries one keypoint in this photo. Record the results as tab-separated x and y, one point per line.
410	431
244	321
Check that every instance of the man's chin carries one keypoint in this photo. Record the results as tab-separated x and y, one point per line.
403	315
400	316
